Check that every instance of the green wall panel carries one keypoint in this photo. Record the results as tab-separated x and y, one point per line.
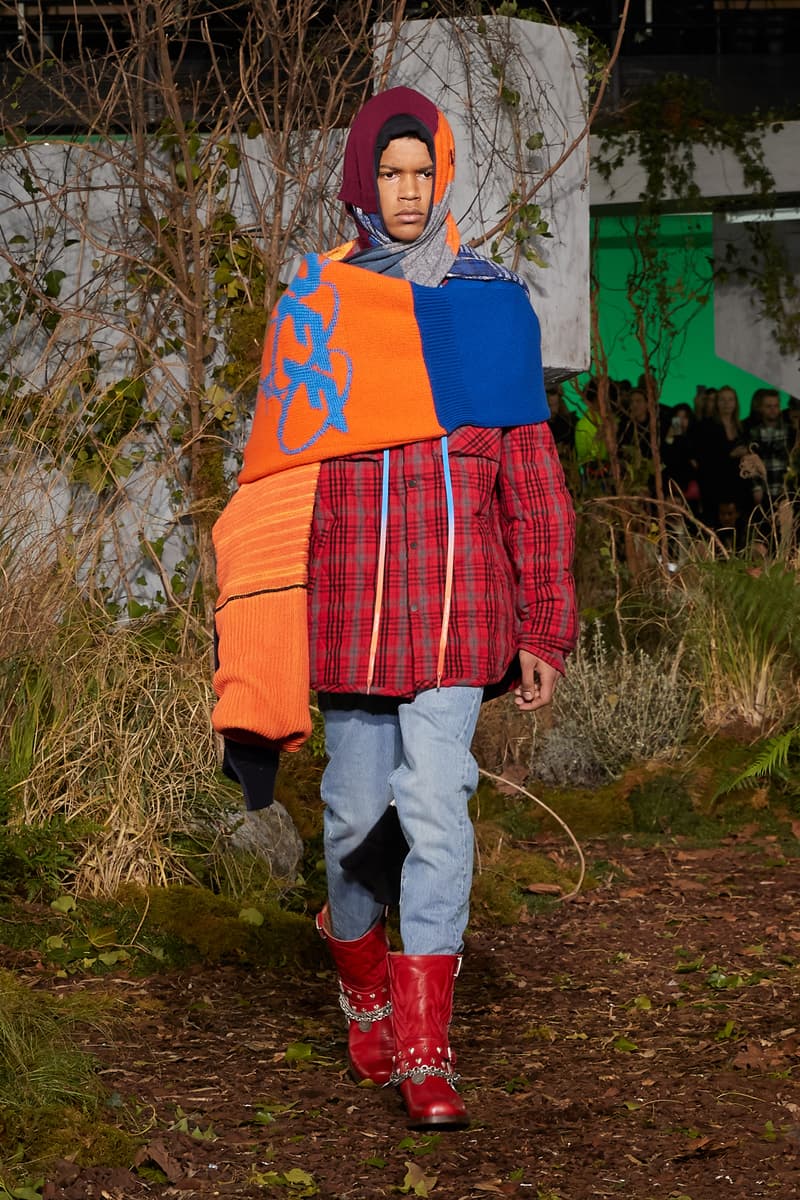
686	241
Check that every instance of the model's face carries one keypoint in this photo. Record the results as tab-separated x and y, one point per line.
405	188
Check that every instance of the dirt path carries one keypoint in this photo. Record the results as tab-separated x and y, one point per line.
642	1042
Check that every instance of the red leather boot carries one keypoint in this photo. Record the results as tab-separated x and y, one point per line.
364	998
422	1005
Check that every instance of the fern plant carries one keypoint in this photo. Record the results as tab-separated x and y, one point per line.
743	630
771	762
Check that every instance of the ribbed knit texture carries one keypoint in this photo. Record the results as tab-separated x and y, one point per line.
482	348
261	544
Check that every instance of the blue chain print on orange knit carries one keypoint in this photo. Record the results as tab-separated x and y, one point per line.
315	374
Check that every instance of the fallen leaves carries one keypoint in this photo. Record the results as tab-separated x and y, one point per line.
703	1073
157	1152
704	1147
759	1056
416	1182
294	1182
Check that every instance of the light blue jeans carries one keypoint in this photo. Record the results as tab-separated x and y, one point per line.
416	752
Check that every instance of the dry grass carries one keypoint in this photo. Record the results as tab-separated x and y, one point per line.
104	723
504	735
743	628
124	750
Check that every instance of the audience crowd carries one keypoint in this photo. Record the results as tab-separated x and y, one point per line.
737	474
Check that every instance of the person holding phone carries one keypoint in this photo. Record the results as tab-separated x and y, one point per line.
679	457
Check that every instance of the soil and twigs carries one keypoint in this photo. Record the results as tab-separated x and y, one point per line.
642	1041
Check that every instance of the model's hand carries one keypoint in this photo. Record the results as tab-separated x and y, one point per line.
538	682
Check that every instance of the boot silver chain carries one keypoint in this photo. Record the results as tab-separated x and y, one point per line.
364	1019
420	1073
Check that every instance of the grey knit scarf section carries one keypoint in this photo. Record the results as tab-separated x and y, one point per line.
425	261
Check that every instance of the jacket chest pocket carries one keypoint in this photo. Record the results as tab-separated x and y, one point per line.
474	464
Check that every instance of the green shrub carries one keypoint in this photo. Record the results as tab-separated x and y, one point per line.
614	707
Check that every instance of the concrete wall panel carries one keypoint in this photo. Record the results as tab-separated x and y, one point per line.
462	68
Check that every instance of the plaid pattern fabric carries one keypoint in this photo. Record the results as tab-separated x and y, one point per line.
773	450
513	588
